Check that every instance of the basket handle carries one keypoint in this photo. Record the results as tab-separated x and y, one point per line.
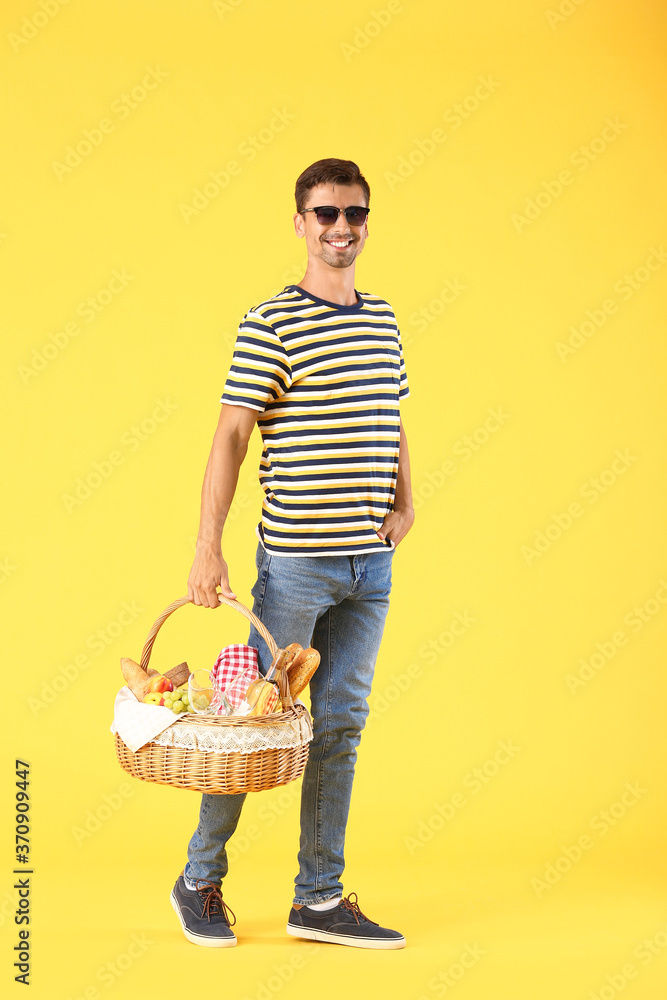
283	683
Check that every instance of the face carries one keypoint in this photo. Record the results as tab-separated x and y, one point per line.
339	244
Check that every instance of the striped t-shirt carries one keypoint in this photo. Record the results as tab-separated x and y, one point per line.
327	380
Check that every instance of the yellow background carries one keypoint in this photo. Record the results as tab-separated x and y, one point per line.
456	863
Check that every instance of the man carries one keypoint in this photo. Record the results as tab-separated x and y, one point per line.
320	368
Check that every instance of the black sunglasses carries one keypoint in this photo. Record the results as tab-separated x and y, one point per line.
328	214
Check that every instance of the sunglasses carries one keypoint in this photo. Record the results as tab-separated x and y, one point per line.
328	214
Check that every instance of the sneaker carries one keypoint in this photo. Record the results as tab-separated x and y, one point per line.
342	924
203	913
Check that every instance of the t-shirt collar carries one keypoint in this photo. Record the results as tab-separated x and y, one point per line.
332	305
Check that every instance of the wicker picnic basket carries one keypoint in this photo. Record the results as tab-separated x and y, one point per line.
223	754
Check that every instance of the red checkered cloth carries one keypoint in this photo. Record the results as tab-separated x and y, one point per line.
234	669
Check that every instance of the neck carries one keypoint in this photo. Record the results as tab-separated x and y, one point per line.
330	283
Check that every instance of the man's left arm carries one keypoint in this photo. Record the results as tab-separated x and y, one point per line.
399	521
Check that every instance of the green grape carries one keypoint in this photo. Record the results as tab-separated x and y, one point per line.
178	706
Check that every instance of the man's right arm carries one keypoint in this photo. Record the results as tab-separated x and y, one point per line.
230	444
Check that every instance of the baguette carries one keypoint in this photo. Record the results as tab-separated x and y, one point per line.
301	669
136	678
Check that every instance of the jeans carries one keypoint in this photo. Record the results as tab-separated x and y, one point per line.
338	604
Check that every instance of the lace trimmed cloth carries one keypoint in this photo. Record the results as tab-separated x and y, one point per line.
190	734
138	724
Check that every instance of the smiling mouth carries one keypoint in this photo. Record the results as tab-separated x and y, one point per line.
339	244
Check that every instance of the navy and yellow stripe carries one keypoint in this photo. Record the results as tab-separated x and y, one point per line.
326	380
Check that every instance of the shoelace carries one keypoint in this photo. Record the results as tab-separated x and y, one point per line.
213	901
353	906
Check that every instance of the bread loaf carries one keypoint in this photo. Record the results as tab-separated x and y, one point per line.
136	678
301	669
178	675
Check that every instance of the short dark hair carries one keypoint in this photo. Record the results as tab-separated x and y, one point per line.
330	171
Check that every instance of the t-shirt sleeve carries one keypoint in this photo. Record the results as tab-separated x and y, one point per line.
403	388
260	371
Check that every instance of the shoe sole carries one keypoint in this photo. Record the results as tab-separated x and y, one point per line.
379	944
201	939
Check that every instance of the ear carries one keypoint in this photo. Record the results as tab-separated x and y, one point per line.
299	227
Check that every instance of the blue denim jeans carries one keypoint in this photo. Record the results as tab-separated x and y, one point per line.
338	604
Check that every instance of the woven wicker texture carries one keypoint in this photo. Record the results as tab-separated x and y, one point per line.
269	750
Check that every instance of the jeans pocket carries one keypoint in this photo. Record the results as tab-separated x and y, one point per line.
262	562
388	566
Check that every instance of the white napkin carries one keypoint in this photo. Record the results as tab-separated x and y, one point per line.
137	723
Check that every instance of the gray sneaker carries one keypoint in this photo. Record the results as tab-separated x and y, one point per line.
342	924
203	913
